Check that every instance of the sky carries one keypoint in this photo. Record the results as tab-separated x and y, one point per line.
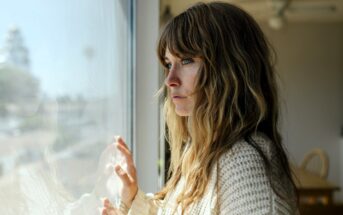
57	33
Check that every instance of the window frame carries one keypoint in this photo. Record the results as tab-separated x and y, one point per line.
146	119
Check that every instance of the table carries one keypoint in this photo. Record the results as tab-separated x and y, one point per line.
312	188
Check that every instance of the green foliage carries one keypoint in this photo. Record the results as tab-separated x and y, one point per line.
32	123
17	86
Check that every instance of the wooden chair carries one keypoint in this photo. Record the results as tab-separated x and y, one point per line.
317	162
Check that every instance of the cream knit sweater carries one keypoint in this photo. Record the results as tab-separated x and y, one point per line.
243	188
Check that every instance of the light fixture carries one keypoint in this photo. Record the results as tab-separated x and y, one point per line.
278	20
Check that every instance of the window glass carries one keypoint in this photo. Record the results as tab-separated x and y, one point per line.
65	80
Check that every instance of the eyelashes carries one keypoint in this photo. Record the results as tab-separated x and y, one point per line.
167	65
187	61
184	61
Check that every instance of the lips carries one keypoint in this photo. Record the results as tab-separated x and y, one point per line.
174	96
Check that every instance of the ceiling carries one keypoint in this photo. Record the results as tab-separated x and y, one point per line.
262	10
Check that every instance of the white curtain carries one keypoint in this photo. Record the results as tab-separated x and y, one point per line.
65	80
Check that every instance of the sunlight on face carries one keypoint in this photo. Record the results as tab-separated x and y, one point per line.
180	80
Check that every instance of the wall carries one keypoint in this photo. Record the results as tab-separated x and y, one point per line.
310	65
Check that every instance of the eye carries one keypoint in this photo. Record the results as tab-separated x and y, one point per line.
167	65
187	61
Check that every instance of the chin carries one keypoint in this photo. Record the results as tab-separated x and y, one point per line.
182	112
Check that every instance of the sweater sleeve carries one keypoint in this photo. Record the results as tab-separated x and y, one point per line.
243	183
143	204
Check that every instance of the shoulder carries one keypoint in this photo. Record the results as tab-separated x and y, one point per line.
243	182
242	178
244	153
244	161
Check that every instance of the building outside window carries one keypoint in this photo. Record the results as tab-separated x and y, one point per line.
66	87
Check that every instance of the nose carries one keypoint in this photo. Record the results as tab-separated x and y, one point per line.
172	79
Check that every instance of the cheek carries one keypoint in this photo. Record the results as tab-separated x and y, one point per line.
190	81
193	75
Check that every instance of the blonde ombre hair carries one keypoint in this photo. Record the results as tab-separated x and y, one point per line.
235	95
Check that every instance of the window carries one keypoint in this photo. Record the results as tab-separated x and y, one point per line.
65	89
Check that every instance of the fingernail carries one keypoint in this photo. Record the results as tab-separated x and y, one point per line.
117	167
117	144
119	170
116	138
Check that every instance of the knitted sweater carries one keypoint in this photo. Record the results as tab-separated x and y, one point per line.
243	188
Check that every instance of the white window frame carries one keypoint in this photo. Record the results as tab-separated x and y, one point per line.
146	129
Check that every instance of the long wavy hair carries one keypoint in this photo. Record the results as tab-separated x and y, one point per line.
235	95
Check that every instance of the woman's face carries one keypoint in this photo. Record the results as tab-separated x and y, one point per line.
180	80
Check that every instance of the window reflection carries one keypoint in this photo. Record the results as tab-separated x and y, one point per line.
64	87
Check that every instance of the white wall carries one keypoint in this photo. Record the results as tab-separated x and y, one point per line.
310	63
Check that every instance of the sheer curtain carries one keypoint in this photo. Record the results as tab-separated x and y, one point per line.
65	91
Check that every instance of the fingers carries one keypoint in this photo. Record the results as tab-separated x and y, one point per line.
125	151
120	140
131	169
123	175
110	211
107	203
108	208
122	146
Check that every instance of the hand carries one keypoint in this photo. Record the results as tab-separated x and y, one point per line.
109	209
129	179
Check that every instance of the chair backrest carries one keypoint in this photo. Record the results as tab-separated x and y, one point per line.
317	162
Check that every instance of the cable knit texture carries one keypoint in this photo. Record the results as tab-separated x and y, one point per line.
239	186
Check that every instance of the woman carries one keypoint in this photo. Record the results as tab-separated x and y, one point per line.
221	111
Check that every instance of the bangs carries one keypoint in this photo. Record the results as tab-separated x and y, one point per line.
180	37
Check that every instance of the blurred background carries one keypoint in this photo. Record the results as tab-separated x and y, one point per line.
75	73
65	71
